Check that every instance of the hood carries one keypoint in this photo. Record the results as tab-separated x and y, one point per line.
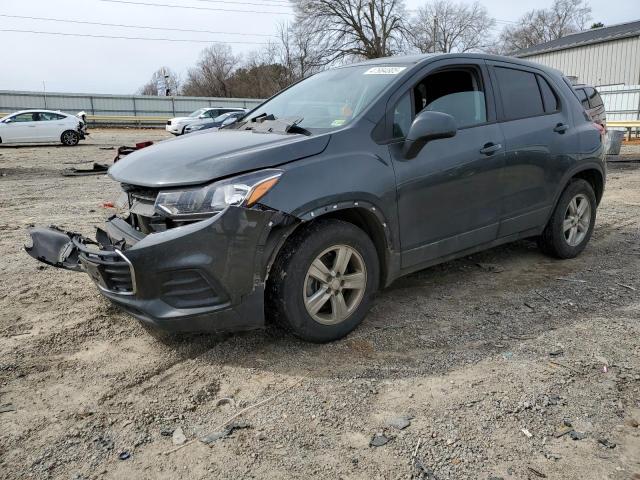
182	119
202	157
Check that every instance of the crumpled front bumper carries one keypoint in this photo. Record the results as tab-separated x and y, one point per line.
205	276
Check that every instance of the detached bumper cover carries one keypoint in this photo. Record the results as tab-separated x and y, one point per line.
205	276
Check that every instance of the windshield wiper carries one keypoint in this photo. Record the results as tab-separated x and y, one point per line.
269	123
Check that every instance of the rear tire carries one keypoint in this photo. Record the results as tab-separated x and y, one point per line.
322	283
70	138
571	225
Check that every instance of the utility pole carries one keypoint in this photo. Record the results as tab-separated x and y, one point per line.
167	88
435	34
44	93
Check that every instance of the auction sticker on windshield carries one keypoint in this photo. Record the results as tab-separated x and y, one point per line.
384	70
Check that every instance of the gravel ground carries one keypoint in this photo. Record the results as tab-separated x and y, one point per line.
506	364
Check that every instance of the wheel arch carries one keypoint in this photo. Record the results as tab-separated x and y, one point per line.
592	172
362	214
595	179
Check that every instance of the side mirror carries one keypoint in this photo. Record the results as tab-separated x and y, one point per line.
428	126
8	120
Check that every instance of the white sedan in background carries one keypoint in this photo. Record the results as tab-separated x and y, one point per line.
42	126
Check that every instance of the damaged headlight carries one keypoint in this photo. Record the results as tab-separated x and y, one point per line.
243	190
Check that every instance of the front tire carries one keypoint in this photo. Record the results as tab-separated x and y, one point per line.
322	283
70	138
571	225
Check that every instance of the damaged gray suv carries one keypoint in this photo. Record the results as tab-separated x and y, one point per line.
301	210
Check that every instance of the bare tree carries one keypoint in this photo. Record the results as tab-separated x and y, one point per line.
163	82
260	76
343	29
446	26
210	77
543	25
296	50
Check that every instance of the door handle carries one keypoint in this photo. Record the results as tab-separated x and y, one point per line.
490	148
31	126
561	128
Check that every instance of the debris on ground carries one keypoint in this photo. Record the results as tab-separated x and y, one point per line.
399	423
178	437
575	435
536	472
97	169
124	455
606	443
378	440
7	407
125	150
215	436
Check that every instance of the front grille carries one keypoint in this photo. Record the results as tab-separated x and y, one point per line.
110	270
140	193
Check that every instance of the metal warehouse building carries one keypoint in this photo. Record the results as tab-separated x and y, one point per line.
601	56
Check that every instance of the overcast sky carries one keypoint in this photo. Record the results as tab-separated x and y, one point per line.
105	65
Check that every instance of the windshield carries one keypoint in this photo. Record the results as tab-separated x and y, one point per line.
198	112
331	99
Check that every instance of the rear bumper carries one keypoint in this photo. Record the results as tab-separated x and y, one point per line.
206	276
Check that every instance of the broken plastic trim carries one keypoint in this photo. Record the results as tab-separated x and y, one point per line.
70	251
54	247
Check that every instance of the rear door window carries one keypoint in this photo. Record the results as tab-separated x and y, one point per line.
582	96
46	116
594	97
520	93
549	98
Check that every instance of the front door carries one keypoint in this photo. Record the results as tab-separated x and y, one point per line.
449	196
21	128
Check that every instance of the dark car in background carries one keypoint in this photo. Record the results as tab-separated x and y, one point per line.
178	125
592	103
336	187
224	119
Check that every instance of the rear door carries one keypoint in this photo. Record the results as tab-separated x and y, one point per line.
534	125
52	125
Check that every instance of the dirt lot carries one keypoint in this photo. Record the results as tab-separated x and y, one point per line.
508	364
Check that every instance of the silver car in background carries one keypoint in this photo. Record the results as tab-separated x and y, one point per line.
178	125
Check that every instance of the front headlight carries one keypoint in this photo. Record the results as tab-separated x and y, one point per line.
243	190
